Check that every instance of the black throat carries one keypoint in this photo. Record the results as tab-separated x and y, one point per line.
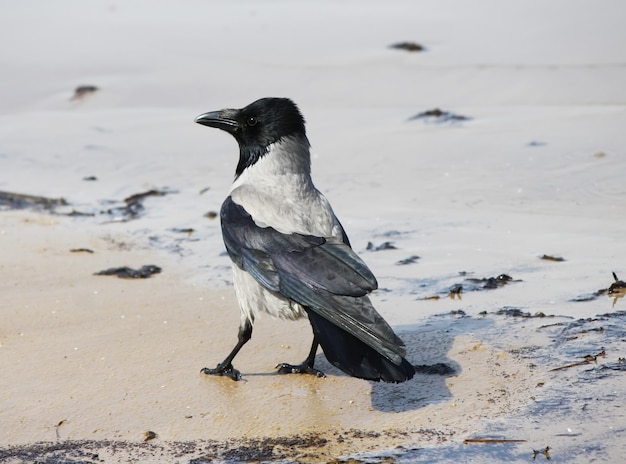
248	156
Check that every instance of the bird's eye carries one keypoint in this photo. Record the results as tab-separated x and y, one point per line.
251	121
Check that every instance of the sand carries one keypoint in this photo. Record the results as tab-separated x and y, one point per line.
101	358
90	364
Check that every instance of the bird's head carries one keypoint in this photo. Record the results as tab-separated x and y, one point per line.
257	126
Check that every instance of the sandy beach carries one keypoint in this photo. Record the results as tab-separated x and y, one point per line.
481	179
107	359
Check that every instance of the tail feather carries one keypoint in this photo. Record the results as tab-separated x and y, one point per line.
346	352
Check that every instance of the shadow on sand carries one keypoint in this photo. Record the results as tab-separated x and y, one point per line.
427	346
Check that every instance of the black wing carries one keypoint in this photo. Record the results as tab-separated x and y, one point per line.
325	276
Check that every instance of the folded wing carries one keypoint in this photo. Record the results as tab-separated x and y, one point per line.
323	275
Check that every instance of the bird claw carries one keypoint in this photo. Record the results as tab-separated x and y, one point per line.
284	368
226	371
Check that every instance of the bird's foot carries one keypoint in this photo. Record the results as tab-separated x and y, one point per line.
228	371
303	368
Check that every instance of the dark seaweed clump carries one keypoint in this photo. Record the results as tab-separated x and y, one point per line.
408	46
439	116
472	284
126	272
10	200
381	247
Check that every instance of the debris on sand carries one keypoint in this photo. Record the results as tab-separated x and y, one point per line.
558	259
126	272
439	116
11	200
616	290
491	282
618	286
133	207
545	452
590	358
408	46
81	250
590	296
409	260
492	440
194	452
472	284
509	311
383	246
183	230
83	90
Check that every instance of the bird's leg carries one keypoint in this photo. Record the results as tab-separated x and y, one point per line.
226	367
306	367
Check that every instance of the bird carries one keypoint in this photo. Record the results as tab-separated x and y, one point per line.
291	256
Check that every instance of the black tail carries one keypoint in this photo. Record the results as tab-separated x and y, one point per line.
354	357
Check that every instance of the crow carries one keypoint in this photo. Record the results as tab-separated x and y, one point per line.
291	256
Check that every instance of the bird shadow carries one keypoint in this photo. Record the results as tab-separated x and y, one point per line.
427	345
428	354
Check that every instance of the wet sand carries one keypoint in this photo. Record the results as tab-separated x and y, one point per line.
96	364
101	359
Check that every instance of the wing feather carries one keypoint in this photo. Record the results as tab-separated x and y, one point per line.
325	275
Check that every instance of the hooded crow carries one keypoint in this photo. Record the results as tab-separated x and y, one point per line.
291	256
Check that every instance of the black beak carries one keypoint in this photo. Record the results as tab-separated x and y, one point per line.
223	119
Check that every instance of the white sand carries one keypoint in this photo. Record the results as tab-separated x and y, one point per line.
114	358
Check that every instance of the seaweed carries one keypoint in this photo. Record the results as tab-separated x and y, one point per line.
616	290
409	260
472	284
545	452
618	286
439	116
383	246
587	359
126	272
133	205
408	46
12	200
81	250
82	91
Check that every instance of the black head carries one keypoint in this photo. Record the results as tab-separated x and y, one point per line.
257	126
